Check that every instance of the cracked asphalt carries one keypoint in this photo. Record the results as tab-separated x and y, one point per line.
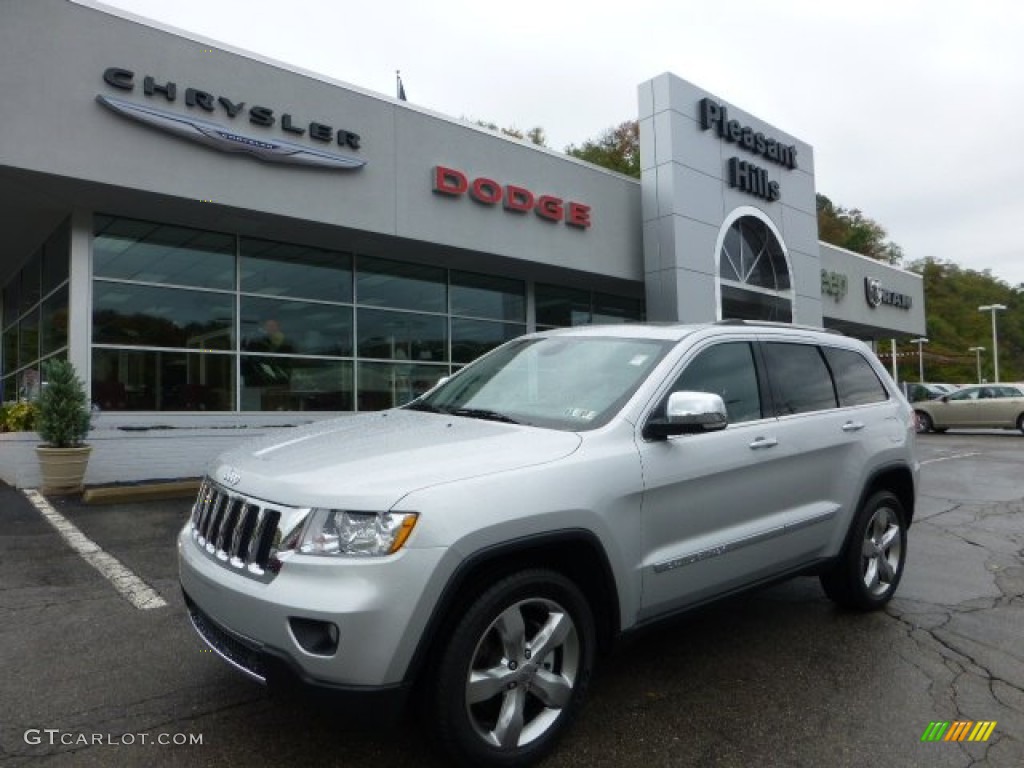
777	677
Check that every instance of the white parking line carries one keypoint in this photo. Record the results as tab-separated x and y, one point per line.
950	458
131	587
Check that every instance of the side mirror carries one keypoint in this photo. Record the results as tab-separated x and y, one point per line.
688	413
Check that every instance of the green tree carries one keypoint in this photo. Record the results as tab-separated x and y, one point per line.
851	229
954	325
617	149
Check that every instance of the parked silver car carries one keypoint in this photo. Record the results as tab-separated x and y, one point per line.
994	406
482	546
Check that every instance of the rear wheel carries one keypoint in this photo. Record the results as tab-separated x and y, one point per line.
869	569
514	671
1020	422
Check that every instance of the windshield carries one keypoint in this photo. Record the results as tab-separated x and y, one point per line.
562	382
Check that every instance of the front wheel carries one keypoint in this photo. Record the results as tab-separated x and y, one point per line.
923	421
1020	422
869	569
514	671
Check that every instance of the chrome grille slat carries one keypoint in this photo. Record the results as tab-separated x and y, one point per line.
235	531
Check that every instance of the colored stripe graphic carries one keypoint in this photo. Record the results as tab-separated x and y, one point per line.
959	730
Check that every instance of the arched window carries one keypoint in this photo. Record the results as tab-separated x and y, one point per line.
753	271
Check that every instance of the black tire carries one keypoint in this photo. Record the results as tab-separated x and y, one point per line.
495	643
870	566
1020	422
923	421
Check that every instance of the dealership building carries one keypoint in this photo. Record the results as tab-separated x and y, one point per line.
216	240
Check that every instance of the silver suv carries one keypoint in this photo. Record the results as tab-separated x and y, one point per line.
481	546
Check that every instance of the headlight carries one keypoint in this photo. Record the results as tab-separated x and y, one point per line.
365	534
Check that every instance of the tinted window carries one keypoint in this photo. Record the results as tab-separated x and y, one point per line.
800	378
856	380
497	298
405	286
728	371
281	269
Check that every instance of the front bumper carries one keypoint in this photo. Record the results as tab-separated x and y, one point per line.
379	606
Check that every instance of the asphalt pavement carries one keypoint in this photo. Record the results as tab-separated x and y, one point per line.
778	677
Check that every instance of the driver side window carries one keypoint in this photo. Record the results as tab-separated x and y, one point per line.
727	370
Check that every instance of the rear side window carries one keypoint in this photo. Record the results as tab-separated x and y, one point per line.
856	381
800	379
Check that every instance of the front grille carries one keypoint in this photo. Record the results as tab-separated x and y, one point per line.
237	531
240	655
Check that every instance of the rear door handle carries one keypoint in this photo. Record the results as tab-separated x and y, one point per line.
853	426
764	442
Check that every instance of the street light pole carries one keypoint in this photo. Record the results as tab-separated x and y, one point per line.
977	354
993	308
920	357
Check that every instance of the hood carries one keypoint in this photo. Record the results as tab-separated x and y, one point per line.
370	461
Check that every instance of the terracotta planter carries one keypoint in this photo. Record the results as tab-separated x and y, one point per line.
63	469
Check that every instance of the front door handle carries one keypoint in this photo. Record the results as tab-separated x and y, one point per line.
853	426
764	442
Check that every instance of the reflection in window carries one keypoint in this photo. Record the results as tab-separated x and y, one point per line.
495	298
386	385
54	331
280	269
403	286
728	371
800	380
158	253
143	315
617	309
296	327
136	380
562	306
296	384
856	380
402	336
472	338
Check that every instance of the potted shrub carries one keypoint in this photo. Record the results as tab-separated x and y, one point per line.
62	421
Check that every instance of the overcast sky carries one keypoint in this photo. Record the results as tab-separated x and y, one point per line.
915	109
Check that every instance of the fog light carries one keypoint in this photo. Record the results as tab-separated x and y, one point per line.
319	638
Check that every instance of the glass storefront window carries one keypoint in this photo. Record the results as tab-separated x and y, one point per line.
296	384
402	336
56	258
617	309
279	269
143	380
12	304
484	296
142	315
53	332
386	385
156	253
28	337
30	277
384	283
472	338
561	306
296	327
10	349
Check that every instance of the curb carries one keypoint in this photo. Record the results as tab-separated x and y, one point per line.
123	494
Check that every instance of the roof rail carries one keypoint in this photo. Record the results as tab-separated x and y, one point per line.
776	324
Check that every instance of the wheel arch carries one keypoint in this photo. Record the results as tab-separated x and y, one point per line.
576	553
896	478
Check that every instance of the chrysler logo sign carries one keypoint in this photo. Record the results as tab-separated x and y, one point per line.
876	295
229	139
218	137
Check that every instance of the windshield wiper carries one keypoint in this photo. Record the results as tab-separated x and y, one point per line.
417	406
482	413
